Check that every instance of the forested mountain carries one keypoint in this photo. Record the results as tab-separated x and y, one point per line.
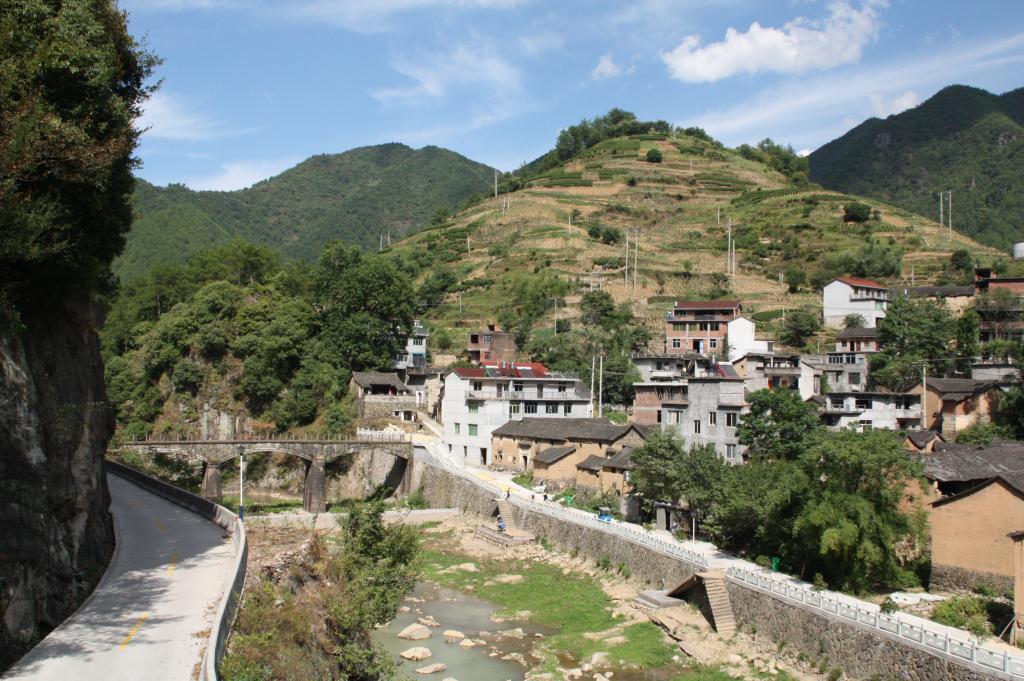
962	139
354	196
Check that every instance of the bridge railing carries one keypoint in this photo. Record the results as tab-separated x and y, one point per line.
234	581
362	435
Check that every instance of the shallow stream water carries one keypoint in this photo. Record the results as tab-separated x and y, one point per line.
471	616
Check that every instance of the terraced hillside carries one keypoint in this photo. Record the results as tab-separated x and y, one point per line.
533	252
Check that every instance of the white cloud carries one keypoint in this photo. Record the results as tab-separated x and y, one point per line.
242	174
606	68
883	107
166	116
537	44
799	46
436	74
804	152
810	111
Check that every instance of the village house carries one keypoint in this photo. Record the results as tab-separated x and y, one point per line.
663	382
923	441
415	352
741	340
711	413
956	298
852	295
699	326
477	400
1000	304
382	396
980	490
847	366
425	384
552	448
953	404
491	345
864	410
770	371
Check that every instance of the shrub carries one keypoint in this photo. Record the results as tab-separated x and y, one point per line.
624	570
654	155
964	612
856	212
604	563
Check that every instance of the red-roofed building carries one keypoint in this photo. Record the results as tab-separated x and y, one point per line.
699	326
477	400
853	295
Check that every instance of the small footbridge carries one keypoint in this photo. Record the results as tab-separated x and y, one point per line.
316	453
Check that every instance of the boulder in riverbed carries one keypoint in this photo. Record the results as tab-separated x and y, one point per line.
432	668
416	654
414	632
452	636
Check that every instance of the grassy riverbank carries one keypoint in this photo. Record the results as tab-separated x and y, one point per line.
573	603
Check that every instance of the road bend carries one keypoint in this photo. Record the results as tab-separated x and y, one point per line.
151	614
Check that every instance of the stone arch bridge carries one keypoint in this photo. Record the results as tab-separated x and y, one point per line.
316	454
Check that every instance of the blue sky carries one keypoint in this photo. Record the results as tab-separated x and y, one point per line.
252	87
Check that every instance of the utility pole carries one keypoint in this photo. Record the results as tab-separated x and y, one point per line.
949	214
728	250
942	217
241	482
625	281
381	243
718	219
636	257
495	183
600	389
593	366
924	392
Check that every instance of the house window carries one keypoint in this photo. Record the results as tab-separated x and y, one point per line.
703	326
531	407
865	425
731	418
515	407
837	402
854	379
472	429
712	418
714	326
659	416
714	343
458	429
567	408
417	341
474	407
551	408
488	339
862	404
696	426
478	386
676	343
730	452
517	386
561	387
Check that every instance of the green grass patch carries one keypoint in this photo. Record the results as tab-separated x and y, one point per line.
568	182
524	479
262	507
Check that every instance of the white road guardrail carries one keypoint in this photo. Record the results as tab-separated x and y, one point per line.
934	638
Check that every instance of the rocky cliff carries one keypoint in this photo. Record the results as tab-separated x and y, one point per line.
56	534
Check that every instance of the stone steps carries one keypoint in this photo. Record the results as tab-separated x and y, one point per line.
721	606
505	511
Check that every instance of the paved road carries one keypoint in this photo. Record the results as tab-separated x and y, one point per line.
151	614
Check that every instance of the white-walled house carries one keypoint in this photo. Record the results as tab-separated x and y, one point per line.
851	295
740	336
867	410
848	365
710	413
478	400
415	354
776	371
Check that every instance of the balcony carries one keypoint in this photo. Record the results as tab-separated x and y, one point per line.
520	395
782	371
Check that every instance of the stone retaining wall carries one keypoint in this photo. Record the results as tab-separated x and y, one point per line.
955	578
858	651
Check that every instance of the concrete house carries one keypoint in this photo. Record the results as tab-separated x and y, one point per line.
382	395
741	338
863	410
415	353
491	345
953	404
552	448
711	413
699	326
852	295
847	366
477	400
773	371
663	381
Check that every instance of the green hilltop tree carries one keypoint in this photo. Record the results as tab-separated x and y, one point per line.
779	425
913	333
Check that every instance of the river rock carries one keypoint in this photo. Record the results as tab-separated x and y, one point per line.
432	668
467	643
600	677
599	660
466	567
574	673
428	621
414	632
416	654
508	579
452	636
513	633
586	667
734	659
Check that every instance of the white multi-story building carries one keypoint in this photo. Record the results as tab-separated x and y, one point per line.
711	413
851	295
477	400
415	355
867	410
771	371
740	336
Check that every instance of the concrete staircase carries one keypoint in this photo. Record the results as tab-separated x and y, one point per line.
718	597
505	511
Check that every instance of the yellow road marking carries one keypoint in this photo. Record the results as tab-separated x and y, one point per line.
135	630
160	525
174	561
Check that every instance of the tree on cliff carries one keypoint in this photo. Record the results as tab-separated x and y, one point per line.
72	83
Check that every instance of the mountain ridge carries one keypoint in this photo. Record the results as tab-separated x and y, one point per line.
962	138
354	196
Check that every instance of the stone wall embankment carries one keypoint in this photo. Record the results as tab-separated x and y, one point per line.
831	640
953	578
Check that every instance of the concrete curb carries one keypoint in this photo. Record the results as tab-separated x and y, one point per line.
216	644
